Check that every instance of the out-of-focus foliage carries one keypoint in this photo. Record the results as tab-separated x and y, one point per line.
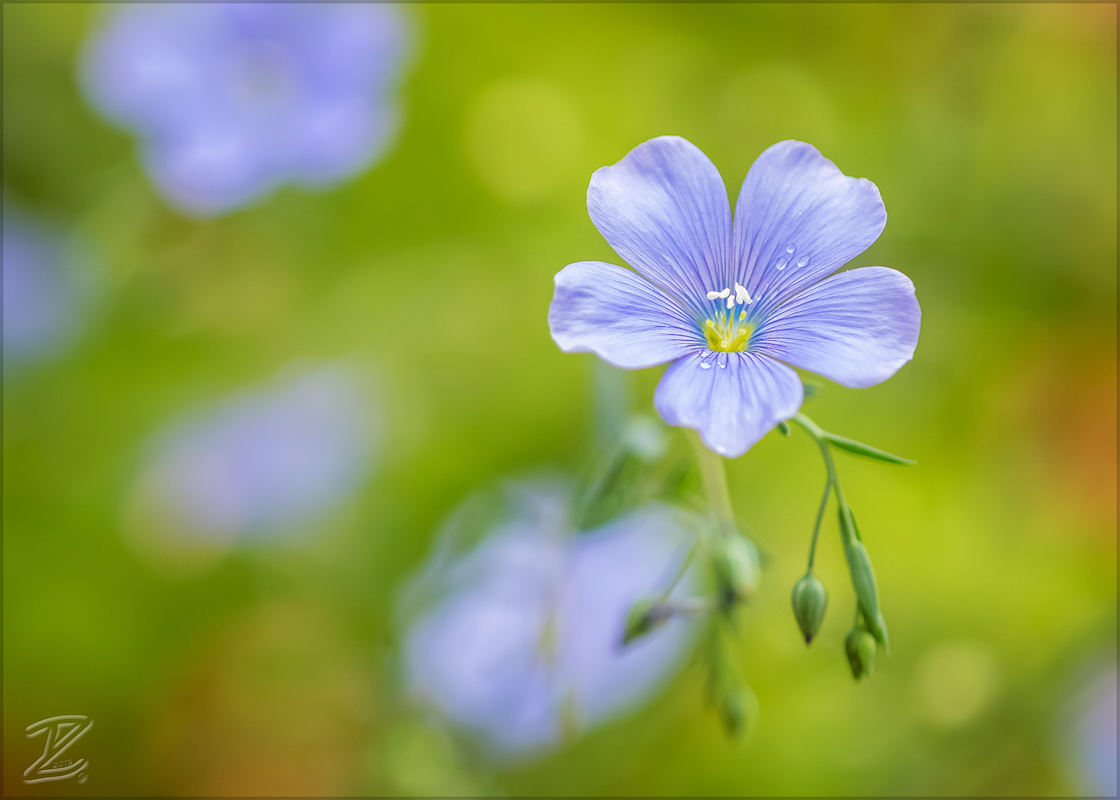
991	133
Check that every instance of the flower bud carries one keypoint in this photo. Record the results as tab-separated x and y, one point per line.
733	713
860	647
810	600
736	568
863	577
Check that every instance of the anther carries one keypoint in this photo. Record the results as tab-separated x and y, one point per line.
741	294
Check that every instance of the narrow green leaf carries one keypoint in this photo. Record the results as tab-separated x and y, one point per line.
861	449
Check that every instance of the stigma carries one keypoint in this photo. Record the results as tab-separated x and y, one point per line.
728	332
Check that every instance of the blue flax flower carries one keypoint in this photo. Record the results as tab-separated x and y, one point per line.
44	293
521	641
728	301
264	463
232	100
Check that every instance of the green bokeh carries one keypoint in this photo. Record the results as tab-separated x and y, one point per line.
991	133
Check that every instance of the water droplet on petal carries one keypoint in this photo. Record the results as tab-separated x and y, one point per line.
722	360
705	365
781	263
790	248
802	261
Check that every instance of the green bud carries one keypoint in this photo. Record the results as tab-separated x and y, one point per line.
737	706
878	627
736	567
810	601
867	590
733	713
860	647
863	577
643	617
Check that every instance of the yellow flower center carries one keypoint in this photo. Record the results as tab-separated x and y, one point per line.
728	333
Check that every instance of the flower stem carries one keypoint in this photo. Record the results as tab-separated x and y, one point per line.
814	431
821	439
817	526
715	484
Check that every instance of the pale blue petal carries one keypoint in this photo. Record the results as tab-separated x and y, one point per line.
232	100
732	399
618	315
338	138
632	557
798	219
857	328
664	209
212	171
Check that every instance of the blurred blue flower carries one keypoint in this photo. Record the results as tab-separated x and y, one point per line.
266	462
521	641
43	294
1095	735
726	301
232	100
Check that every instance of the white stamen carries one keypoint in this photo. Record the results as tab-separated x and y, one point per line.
741	294
730	301
714	295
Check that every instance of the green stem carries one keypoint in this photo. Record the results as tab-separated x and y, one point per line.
817	526
814	431
612	403
680	574
819	437
715	484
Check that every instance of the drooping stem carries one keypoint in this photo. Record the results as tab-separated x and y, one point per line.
817	526
715	484
821	439
814	431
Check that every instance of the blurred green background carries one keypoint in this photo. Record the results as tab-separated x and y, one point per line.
991	133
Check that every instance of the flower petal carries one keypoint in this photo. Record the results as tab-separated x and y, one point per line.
618	315
799	218
856	328
664	209
211	169
732	399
